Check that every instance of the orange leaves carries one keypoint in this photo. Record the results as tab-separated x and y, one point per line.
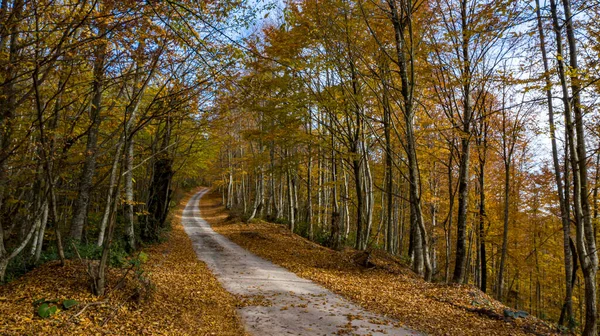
389	288
187	299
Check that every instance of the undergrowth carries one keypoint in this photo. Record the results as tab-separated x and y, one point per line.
87	247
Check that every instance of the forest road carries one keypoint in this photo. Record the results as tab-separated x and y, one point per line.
276	301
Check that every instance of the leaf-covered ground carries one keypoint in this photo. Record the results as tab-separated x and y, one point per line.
388	288
186	298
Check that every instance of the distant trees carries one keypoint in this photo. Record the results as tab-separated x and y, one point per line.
403	124
411	126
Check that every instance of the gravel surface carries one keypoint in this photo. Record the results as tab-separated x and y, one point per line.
274	300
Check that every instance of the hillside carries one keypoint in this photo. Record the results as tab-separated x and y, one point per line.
387	286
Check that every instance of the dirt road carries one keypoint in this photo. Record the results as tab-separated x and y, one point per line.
276	301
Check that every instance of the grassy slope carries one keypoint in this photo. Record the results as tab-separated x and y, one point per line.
389	288
186	300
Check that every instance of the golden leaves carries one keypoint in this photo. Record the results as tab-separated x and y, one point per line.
389	288
187	299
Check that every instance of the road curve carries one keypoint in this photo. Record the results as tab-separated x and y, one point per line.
277	301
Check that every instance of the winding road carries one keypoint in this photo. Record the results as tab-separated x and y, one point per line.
276	301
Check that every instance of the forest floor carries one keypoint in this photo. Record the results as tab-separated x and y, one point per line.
276	301
182	297
389	288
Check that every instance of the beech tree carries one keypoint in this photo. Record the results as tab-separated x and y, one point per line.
458	136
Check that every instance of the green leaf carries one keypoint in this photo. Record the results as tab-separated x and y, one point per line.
69	303
143	257
44	310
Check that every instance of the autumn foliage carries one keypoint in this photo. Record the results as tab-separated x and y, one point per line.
455	135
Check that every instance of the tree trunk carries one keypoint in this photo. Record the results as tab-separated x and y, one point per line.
503	253
450	216
568	303
89	167
586	238
292	212
369	204
465	143
389	177
309	209
129	211
389	185
403	25
99	285
259	200
482	215
346	211
111	187
160	190
55	222
41	233
358	244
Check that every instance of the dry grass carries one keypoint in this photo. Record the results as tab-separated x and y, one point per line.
389	288
186	300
